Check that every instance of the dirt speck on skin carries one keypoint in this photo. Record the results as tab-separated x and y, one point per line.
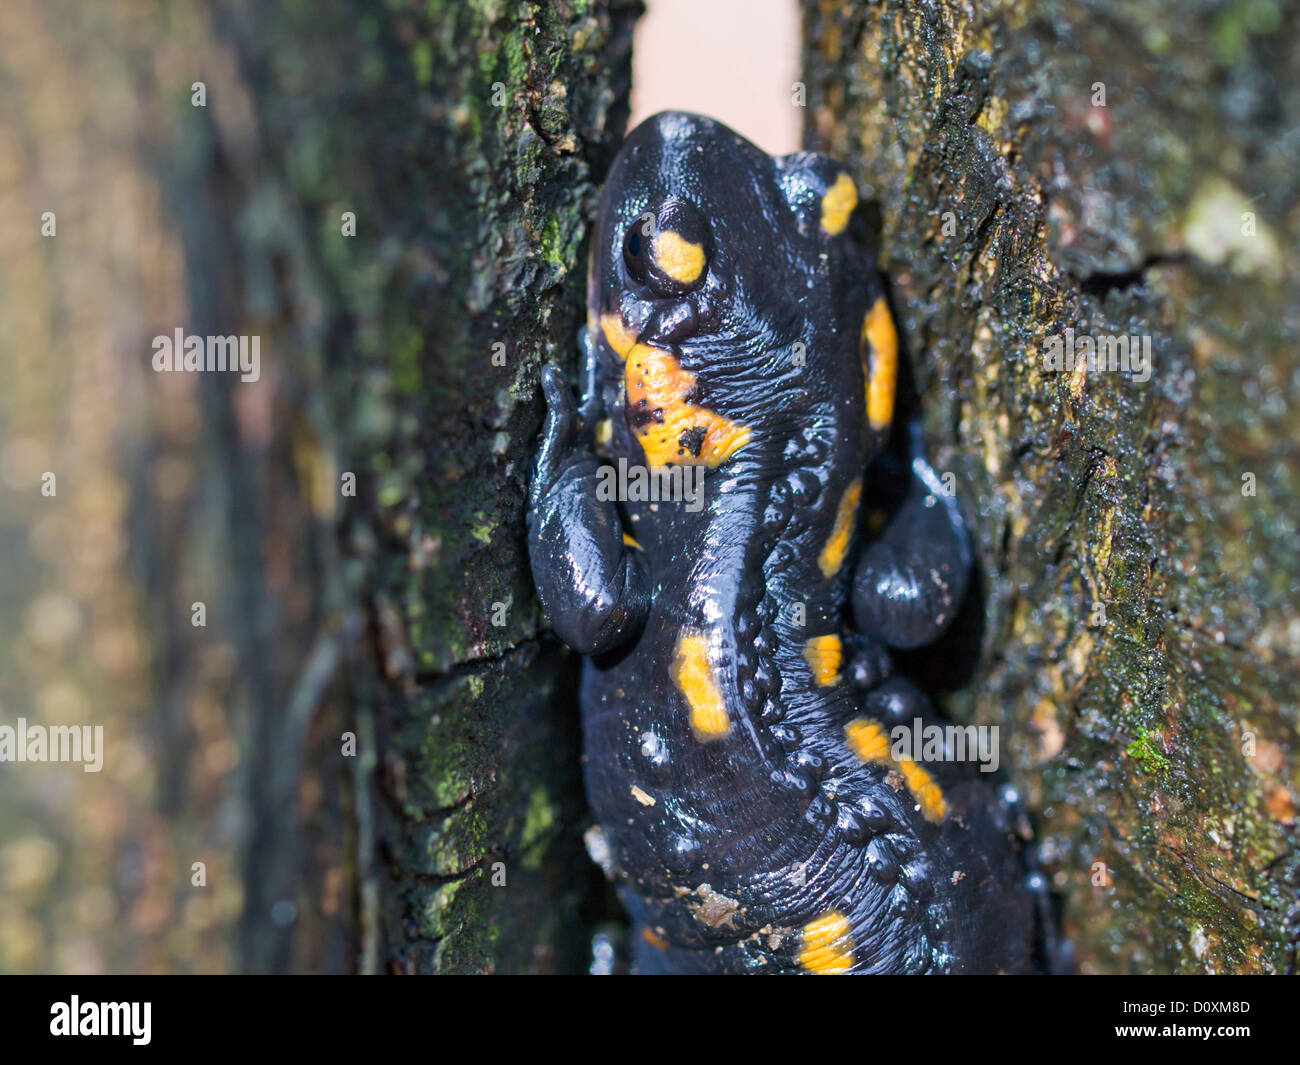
775	936
714	909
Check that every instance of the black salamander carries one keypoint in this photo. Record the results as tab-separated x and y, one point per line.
753	809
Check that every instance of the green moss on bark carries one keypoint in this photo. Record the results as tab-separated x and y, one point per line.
467	139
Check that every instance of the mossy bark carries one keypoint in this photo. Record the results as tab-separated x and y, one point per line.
1119	170
463	139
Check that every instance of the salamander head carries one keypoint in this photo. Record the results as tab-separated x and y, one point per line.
730	273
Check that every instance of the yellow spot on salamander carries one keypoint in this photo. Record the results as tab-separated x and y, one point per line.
837	544
677	257
928	794
838	204
824	655
654	939
869	742
629	541
867	739
604	432
694	679
827	945
881	373
669	428
617	335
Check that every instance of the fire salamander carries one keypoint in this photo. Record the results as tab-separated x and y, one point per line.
753	807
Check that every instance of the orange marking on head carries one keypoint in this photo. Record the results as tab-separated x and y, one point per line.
617	335
677	257
659	413
656	388
827	945
837	545
880	340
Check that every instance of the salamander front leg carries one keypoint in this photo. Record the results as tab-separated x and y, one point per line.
910	583
594	590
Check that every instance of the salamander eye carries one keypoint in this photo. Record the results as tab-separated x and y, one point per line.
668	250
636	248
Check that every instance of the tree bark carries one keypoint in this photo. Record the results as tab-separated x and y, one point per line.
463	138
1123	170
360	754
370	745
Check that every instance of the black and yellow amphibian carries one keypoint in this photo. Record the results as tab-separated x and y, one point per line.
737	732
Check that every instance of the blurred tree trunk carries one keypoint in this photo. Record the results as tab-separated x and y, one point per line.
367	743
1118	170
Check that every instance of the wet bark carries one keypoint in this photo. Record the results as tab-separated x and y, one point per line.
1117	170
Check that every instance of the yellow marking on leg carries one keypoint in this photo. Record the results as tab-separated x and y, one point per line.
629	541
604	432
677	257
881	339
824	655
827	945
693	676
868	740
837	545
838	204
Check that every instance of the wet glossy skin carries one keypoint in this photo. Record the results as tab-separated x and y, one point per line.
729	714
